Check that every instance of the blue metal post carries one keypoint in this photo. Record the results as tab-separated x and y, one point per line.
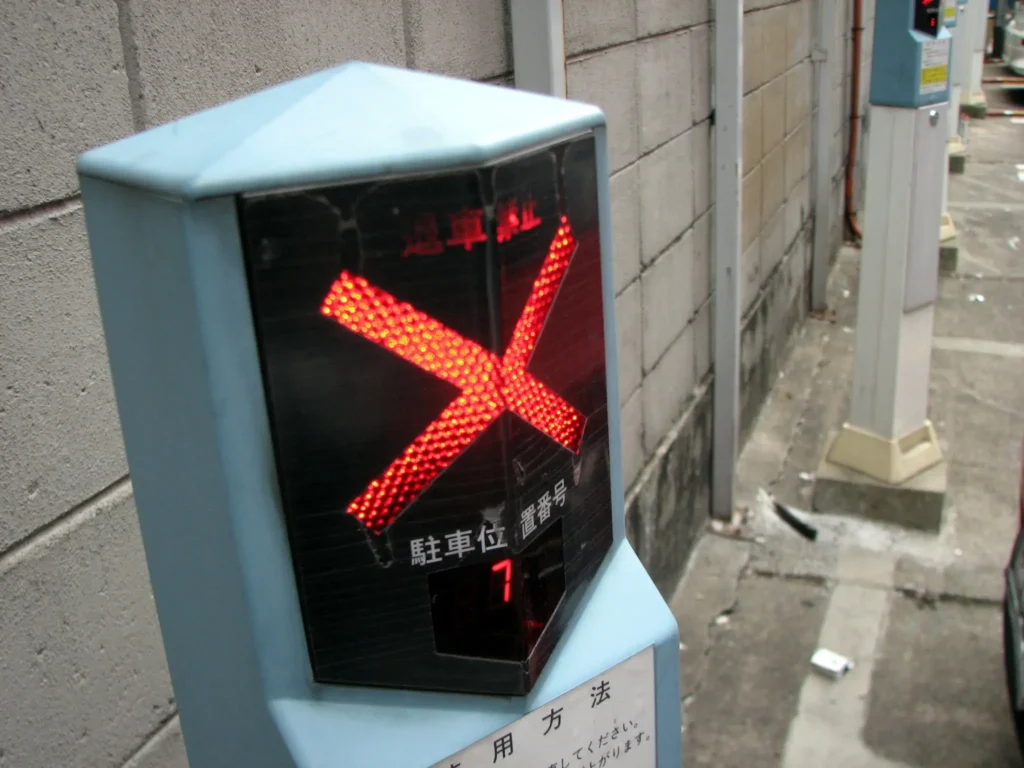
163	223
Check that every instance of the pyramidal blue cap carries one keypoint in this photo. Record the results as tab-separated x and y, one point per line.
357	120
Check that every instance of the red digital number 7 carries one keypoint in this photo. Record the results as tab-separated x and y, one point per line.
506	566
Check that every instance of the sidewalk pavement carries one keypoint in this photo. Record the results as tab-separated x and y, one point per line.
918	613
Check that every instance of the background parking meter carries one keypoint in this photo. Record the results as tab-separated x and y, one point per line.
912	68
361	334
888	435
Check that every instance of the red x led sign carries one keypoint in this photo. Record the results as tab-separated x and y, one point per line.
433	360
488	385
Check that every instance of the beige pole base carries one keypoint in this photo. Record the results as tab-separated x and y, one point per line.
947	230
888	461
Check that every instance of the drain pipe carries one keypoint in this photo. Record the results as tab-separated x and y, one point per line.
728	109
851	150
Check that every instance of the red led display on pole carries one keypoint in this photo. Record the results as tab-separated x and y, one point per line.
433	361
926	16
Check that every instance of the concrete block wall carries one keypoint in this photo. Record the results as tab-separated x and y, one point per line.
665	148
647	63
777	204
82	670
667	409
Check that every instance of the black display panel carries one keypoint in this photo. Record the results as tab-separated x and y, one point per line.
433	361
499	610
926	16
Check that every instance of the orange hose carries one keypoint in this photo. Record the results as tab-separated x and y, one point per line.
851	151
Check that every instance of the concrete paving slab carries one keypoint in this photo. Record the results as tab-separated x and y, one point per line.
995	139
988	411
830	403
974	582
991	238
943	391
828	723
938	694
707	590
918	611
980	309
989	184
762	459
959	581
1007	349
740	715
916	503
786	556
828	389
985	526
865	567
917	576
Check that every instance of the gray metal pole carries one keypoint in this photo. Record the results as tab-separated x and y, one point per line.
538	46
727	218
821	56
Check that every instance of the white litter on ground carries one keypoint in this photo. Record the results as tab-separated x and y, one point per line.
830	664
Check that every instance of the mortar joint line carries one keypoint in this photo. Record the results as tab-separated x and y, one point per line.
69	520
16	219
572	58
150	739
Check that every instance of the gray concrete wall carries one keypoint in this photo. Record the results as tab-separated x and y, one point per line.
632	60
82	672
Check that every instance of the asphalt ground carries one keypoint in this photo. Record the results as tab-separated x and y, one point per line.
918	613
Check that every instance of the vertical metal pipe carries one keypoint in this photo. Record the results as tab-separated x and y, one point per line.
855	112
821	56
538	46
728	83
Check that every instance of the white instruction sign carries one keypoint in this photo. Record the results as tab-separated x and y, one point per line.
934	66
608	722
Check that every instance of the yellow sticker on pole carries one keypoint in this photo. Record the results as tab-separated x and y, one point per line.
934	75
934	66
950	11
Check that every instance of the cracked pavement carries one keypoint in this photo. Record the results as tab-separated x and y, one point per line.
918	613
